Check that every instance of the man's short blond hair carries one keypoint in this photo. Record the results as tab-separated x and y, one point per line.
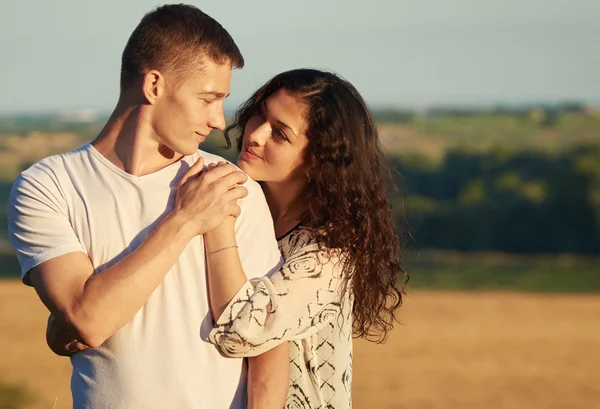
176	38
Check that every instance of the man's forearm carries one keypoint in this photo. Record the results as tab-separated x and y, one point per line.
110	299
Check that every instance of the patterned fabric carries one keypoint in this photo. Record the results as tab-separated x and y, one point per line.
306	303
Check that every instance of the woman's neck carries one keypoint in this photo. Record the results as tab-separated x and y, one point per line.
285	203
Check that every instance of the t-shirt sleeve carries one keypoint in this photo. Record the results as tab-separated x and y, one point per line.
38	222
257	245
298	300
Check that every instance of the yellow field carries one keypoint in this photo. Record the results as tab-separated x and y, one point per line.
455	350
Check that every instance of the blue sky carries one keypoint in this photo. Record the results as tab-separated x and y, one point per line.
64	55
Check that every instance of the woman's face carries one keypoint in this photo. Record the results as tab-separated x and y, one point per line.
274	140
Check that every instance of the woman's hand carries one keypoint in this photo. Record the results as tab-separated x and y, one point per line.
222	236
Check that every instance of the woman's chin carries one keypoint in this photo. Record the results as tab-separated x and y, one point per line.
243	165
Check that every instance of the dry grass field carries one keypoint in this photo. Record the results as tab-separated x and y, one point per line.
454	350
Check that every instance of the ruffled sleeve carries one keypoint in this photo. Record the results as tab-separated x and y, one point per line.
298	300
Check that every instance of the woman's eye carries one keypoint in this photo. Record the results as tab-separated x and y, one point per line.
279	133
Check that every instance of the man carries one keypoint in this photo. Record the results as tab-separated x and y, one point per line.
110	235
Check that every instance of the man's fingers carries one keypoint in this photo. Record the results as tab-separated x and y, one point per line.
230	181
193	170
219	172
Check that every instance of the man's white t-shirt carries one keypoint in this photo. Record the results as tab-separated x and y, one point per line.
80	201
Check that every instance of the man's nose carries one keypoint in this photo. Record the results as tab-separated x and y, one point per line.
217	119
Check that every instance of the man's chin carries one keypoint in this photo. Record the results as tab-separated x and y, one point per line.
173	150
187	150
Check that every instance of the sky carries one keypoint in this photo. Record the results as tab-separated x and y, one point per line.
64	55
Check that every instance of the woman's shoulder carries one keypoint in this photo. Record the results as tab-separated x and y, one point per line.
302	239
308	257
296	239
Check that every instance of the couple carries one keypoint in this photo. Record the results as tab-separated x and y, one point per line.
159	262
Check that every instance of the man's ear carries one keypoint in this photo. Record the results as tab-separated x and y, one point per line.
153	86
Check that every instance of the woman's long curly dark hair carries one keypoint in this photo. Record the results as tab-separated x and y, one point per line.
348	181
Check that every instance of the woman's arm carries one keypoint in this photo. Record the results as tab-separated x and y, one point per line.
225	273
268	373
268	378
254	316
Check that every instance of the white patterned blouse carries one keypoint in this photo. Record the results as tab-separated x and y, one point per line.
308	303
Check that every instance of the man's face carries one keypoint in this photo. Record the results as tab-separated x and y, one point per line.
184	116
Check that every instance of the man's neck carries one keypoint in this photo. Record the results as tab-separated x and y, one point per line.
128	141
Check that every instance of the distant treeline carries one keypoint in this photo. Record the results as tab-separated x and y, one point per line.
546	114
4	192
509	201
87	125
89	122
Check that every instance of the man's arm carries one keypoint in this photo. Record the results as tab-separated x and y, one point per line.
95	306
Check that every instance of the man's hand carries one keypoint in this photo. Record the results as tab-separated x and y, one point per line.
207	197
61	340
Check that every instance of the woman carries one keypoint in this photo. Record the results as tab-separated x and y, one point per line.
308	137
